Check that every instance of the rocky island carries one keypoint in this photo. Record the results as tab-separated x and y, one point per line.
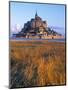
37	28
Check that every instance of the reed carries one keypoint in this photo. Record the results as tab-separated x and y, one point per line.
37	63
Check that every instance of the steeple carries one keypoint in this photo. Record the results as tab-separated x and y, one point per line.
36	14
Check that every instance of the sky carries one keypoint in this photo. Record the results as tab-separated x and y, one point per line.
20	13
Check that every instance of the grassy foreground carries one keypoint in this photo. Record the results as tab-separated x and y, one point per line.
37	63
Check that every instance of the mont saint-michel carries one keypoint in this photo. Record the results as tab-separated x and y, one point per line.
37	28
37	48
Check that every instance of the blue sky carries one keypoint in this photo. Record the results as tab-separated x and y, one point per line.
20	13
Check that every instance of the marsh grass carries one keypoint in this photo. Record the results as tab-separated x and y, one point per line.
40	65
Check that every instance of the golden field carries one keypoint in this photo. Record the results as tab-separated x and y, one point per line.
37	63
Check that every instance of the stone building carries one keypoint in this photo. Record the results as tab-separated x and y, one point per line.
36	26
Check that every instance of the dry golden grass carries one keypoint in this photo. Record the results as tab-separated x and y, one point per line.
37	63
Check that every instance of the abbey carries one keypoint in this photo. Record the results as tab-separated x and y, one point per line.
37	28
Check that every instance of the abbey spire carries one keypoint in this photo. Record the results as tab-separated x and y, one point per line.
36	14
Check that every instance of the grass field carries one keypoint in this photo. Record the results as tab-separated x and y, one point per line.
37	63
